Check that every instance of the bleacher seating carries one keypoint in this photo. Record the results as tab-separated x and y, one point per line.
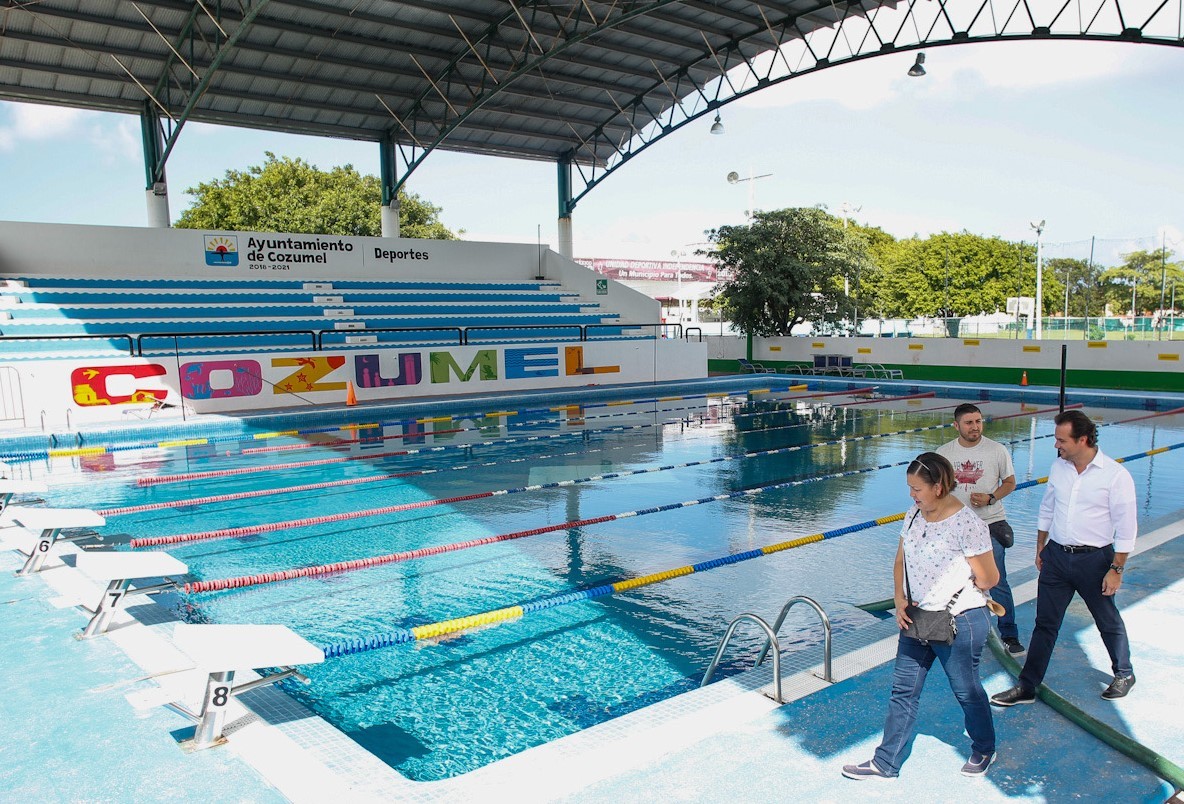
43	317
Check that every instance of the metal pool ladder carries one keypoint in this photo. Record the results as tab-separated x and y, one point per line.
771	633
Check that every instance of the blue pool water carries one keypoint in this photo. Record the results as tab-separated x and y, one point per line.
437	708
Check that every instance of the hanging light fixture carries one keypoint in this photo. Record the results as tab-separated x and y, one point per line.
916	71
717	127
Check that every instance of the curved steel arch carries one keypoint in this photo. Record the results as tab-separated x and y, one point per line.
940	29
722	72
427	132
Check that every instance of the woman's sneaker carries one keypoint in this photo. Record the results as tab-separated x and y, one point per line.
977	764
1015	648
866	770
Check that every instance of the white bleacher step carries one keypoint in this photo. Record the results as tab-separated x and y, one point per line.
10	301
361	339
328	299
349	325
338	313
318	286
15	283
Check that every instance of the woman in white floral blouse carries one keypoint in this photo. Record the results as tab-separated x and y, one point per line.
947	550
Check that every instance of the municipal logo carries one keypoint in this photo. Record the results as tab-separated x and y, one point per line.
221	250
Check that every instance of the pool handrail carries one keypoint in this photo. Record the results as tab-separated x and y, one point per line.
723	644
827	676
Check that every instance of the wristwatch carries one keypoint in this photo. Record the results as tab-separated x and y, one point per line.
1117	568
991	500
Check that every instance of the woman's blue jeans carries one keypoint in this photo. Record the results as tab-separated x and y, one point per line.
960	661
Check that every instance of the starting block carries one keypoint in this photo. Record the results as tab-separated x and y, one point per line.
119	570
220	650
9	487
50	522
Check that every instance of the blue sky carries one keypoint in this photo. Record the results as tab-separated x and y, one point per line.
1085	135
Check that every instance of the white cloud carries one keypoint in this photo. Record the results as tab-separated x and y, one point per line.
116	141
32	122
956	70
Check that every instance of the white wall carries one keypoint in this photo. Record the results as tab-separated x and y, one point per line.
985	352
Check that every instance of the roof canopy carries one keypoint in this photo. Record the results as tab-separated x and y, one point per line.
539	80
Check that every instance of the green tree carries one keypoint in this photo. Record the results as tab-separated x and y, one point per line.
1144	273
290	195
950	274
785	267
1085	286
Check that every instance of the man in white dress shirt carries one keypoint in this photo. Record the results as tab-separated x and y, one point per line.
1086	530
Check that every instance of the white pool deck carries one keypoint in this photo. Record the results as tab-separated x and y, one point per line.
727	741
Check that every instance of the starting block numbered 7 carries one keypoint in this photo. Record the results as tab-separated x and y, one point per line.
119	570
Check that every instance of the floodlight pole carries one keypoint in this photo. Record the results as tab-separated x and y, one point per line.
1038	307
1163	282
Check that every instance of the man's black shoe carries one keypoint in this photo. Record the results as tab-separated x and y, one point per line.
1013	696
1119	687
1015	648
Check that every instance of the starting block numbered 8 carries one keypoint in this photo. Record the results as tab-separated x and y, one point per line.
220	650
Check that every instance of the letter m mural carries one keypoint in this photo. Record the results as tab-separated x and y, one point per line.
443	365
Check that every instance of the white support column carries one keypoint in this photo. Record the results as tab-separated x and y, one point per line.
390	218
565	241
157	197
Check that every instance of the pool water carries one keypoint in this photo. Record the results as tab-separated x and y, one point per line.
437	708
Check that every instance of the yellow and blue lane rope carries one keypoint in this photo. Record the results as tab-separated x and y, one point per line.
459	624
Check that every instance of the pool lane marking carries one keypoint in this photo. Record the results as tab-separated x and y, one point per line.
246	495
103	450
158	480
350	565
456	625
509	425
243	495
252	530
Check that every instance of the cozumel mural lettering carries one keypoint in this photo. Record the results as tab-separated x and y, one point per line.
225	379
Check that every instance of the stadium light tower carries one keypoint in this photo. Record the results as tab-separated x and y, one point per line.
1038	307
735	178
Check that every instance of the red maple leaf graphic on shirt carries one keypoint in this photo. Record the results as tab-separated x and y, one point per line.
968	473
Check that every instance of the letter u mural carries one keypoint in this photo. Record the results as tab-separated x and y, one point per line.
368	373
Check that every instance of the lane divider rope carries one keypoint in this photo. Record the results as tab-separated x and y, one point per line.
252	530
159	480
456	625
350	565
246	495
85	451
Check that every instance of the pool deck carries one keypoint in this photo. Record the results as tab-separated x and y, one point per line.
90	717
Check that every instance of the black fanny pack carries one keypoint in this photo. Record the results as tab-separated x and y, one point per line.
1002	533
928	626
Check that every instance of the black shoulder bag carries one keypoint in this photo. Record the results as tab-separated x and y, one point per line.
928	626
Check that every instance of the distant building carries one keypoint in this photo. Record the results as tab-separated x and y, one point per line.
677	284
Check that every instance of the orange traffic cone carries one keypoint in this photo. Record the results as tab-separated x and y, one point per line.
1023	379
351	398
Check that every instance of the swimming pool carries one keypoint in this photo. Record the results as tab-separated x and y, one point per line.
439	707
